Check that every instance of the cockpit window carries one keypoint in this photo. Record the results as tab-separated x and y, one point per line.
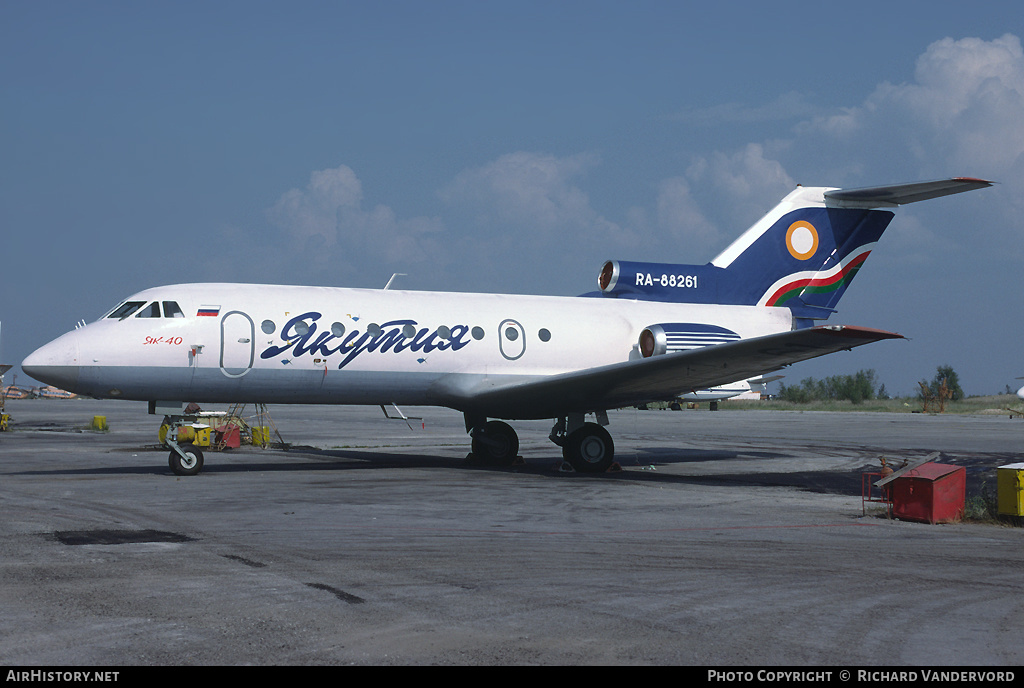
150	311
129	308
171	310
126	309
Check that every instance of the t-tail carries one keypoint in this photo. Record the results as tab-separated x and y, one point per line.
802	255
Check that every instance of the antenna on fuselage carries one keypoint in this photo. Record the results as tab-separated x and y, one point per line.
390	281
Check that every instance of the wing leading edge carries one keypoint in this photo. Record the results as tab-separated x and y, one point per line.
648	379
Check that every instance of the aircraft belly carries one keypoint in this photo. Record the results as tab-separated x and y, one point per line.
144	383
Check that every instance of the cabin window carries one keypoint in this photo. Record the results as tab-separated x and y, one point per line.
150	311
544	334
268	326
478	333
171	310
126	309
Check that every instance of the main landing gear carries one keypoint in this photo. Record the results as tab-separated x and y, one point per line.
495	443
587	447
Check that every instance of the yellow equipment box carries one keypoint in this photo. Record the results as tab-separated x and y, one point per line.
261	435
1010	489
202	437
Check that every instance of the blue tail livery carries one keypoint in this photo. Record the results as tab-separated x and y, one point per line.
802	255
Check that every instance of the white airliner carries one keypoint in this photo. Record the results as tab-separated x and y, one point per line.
652	332
754	388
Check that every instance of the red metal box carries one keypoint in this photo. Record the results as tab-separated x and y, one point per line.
932	493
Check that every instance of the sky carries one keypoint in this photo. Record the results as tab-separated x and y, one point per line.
509	147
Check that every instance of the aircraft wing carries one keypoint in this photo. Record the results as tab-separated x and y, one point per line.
649	379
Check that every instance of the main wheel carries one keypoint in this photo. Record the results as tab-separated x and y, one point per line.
190	464
589	449
495	443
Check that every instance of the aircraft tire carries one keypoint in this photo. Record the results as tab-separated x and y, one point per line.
180	466
496	444
589	449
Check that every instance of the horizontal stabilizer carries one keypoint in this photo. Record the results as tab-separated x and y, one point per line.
900	194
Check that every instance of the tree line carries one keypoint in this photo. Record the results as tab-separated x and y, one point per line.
864	386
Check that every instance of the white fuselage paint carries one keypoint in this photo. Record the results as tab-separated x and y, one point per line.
228	357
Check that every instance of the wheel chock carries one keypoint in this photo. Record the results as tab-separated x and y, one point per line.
566	467
472	459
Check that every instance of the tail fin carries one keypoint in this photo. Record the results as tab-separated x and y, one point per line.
804	254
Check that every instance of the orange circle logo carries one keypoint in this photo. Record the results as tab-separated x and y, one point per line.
802	239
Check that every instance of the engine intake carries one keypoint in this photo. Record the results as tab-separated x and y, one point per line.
657	281
667	338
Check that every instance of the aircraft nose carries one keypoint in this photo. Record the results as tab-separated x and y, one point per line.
56	363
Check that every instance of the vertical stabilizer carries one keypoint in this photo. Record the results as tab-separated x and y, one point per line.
802	255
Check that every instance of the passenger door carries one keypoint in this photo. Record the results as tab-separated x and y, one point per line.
237	343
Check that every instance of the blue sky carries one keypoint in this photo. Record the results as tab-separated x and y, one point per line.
508	147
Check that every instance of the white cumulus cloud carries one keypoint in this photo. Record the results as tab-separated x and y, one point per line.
962	115
326	222
965	109
537	196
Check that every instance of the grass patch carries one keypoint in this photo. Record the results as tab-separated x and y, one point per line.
982	507
996	404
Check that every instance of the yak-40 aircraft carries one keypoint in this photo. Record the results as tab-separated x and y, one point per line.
652	332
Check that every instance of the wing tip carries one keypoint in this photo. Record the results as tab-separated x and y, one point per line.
973	180
858	332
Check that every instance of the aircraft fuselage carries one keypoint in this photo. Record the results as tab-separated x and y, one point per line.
318	345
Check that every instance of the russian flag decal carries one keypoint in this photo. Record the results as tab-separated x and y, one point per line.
209	311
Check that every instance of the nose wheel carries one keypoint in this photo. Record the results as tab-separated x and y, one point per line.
185	459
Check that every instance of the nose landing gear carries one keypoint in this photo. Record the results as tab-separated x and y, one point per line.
185	459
